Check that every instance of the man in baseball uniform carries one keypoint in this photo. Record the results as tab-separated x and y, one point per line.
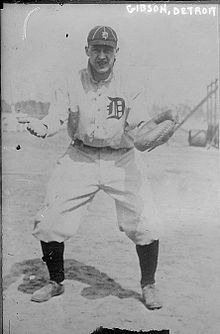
101	109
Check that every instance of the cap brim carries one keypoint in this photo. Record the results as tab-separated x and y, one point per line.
103	42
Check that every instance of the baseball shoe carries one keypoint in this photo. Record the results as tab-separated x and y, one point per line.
47	292
151	297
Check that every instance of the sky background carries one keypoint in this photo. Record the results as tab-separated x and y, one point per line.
176	56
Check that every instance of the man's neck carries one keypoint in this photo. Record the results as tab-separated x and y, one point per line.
99	76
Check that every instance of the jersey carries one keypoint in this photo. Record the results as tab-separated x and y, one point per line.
101	113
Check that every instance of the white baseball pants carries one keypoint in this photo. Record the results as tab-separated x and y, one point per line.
78	176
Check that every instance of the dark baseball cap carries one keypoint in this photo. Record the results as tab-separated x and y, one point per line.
102	35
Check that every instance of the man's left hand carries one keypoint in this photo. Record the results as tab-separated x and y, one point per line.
167	115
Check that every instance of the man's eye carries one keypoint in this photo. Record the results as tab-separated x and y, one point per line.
106	50
95	48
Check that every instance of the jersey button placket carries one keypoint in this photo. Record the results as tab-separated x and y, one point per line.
96	98
97	129
98	114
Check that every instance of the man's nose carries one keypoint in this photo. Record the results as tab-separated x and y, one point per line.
102	54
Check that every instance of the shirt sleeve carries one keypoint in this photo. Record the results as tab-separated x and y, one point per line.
58	110
139	108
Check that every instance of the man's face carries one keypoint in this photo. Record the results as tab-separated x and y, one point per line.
101	57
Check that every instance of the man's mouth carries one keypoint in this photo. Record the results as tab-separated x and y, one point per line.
102	63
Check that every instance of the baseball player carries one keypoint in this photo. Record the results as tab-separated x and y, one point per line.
101	109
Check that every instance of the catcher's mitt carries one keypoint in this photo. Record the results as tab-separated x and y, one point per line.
148	137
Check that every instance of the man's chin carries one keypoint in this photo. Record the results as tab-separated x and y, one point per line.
102	70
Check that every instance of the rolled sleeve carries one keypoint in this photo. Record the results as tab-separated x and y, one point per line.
58	111
139	109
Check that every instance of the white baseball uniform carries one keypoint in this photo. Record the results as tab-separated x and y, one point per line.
101	156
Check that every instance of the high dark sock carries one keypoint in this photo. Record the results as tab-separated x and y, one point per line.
53	257
148	257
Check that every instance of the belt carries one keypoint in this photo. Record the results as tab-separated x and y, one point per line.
79	143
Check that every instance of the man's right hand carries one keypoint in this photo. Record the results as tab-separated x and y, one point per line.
34	126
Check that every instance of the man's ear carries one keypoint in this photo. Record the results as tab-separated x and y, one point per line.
116	51
87	50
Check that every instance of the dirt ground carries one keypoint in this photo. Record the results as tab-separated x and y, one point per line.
102	273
